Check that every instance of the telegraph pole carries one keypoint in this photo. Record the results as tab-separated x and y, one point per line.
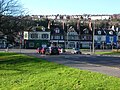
93	42
67	34
78	28
92	28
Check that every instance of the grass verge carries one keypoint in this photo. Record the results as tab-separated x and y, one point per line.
20	72
108	53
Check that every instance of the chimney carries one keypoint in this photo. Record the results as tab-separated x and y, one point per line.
90	24
49	23
78	24
63	25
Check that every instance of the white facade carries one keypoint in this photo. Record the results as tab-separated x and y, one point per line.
26	35
99	17
51	17
37	35
72	38
86	44
72	35
100	38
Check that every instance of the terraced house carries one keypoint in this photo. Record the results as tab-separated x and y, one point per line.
34	39
57	36
72	38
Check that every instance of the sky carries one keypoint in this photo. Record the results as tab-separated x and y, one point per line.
71	7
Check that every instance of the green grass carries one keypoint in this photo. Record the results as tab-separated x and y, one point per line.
20	72
108	53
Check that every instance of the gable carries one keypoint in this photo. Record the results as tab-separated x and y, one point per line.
85	31
71	31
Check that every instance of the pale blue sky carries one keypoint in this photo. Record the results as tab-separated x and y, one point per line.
71	7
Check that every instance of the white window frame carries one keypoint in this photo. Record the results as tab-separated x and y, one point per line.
31	44
45	36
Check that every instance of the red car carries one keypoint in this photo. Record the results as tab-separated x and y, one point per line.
41	50
60	50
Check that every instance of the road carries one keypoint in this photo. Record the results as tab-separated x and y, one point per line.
103	64
109	65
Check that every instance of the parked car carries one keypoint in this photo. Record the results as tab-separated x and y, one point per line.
60	50
52	51
76	51
47	51
41	50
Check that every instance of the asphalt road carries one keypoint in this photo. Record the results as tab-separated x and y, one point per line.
103	64
109	65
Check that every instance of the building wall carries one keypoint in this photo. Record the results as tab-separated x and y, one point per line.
110	39
3	43
33	44
36	39
99	17
100	38
36	35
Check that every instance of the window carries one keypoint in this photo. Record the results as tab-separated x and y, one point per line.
26	35
86	31
51	37
62	37
31	44
57	30
72	37
118	37
99	32
34	35
71	45
86	38
57	37
0	41
111	32
98	39
111	39
83	37
44	36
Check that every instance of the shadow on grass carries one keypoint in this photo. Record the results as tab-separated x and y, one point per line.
17	59
19	63
6	54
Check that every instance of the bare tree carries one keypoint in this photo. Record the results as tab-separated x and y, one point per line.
10	7
12	19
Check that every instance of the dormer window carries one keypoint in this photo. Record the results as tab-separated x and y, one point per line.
111	32
99	32
57	30
86	31
43	28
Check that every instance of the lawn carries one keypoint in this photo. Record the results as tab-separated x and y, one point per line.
20	72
